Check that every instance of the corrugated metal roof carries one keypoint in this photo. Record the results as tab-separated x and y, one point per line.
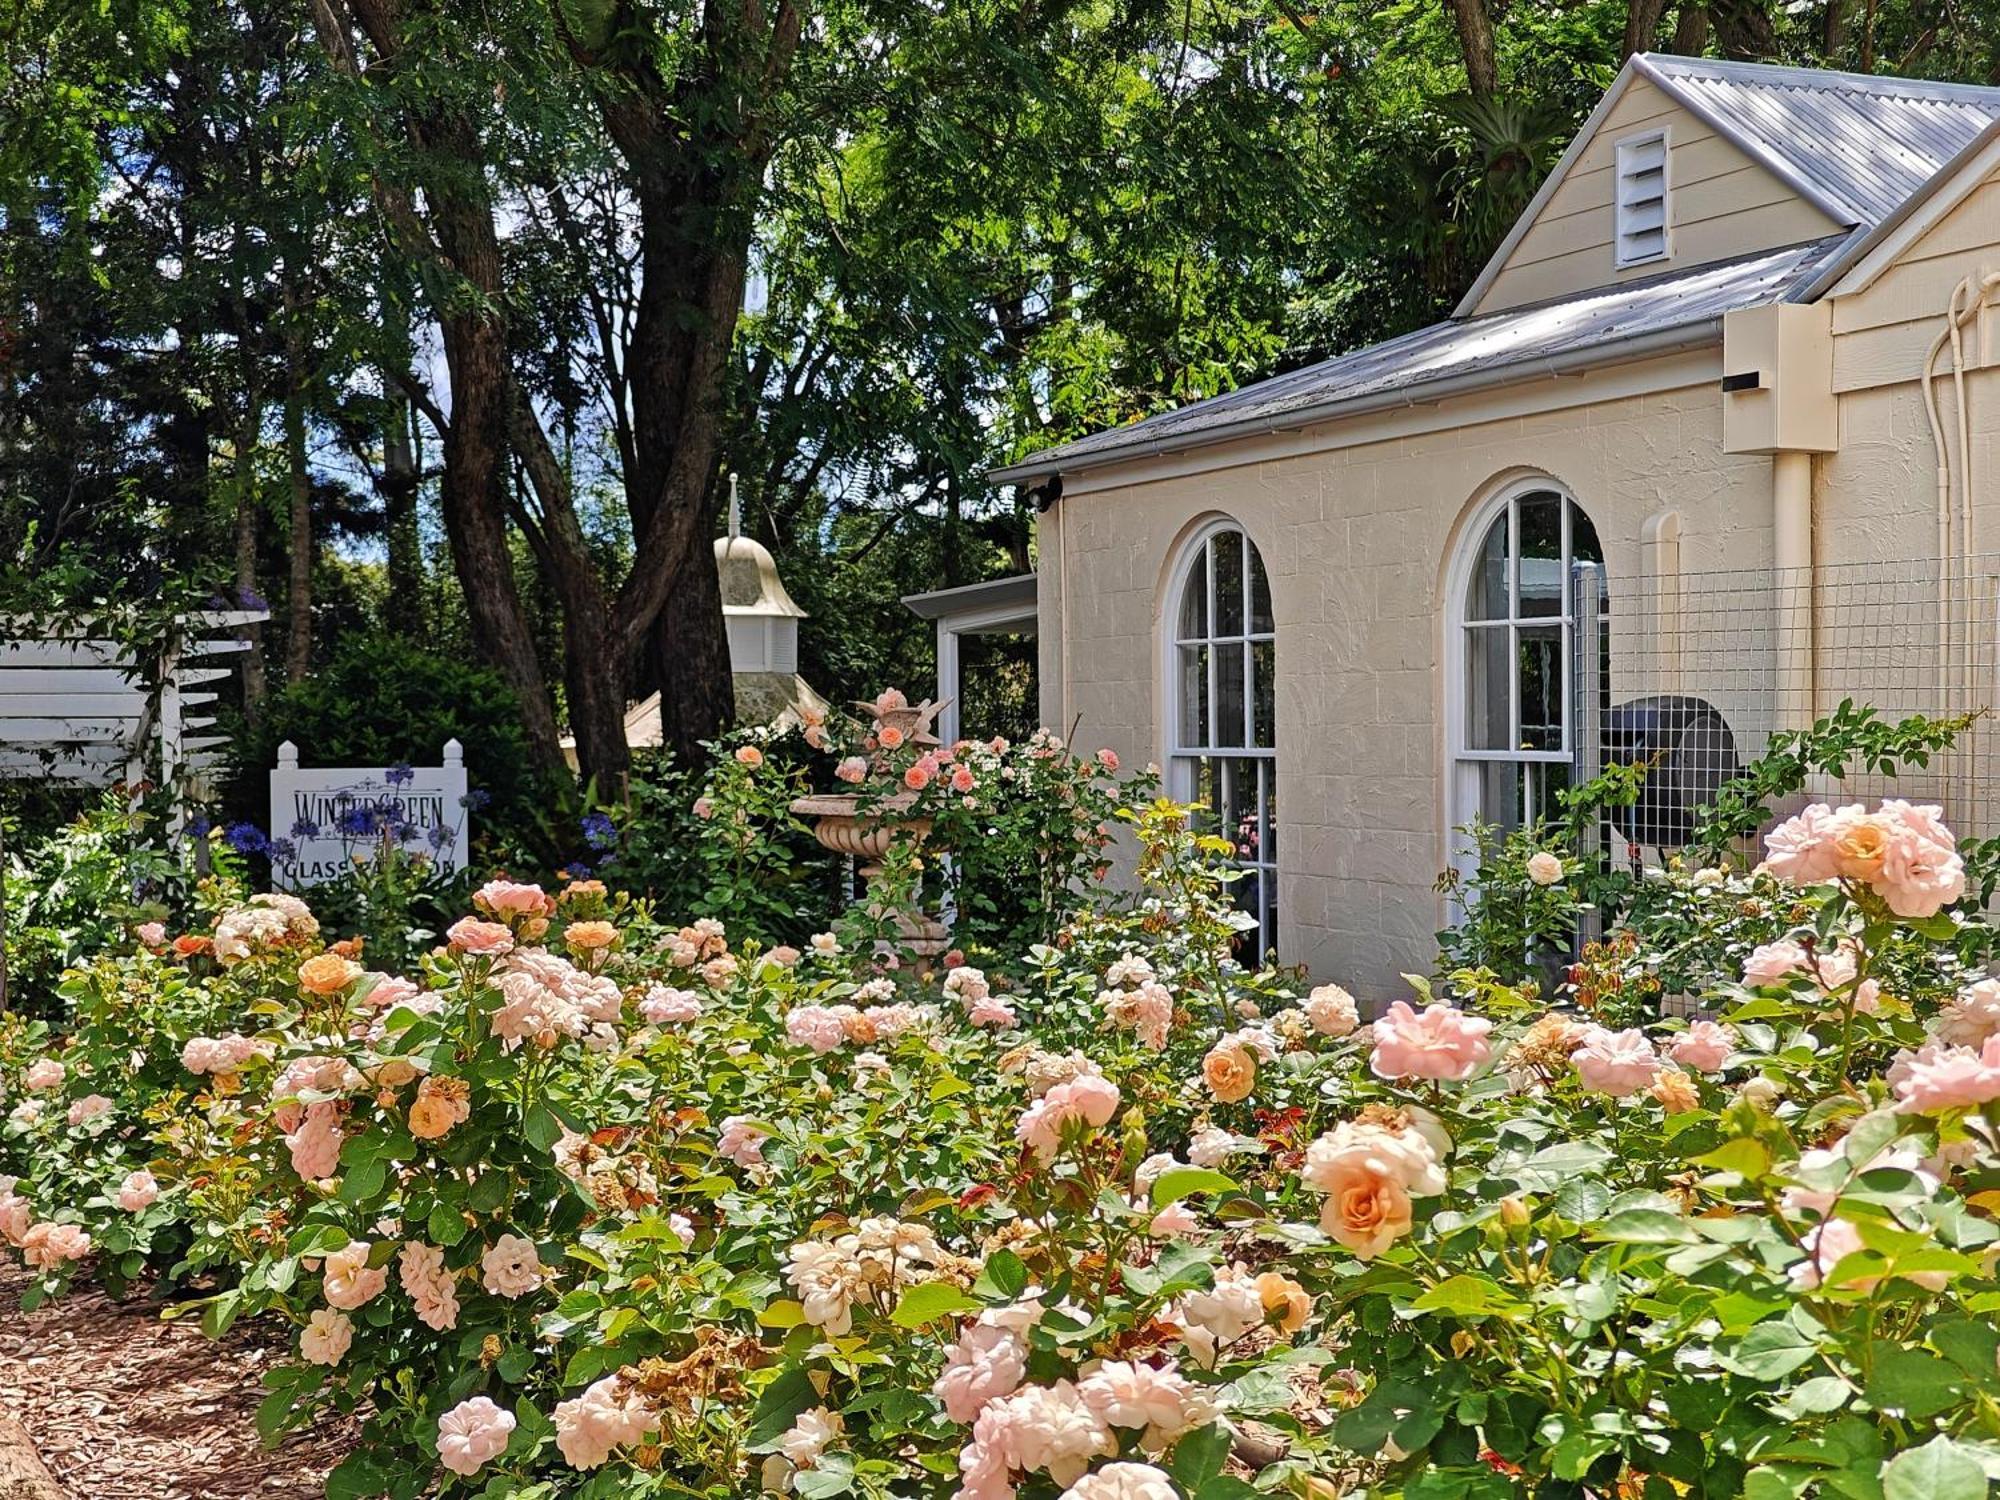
1504	344
1865	142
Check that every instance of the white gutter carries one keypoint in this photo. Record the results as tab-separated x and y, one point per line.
1699	335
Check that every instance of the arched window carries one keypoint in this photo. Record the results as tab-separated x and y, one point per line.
1514	624
1222	724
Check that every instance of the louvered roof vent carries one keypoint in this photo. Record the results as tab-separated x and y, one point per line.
1640	205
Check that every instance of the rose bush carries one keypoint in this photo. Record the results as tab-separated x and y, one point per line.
591	1203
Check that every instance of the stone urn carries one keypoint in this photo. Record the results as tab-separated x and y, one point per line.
842	825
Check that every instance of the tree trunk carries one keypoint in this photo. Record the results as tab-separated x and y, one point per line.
1642	24
1475	41
1833	32
1744	30
1691	29
402	476
299	536
247	592
473	493
698	697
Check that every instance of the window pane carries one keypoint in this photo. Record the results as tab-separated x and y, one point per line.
1541	560
1583	537
1487	597
1194	600
1264	723
1193	690
1227	550
1268	770
1260	595
1500	789
1541	688
1545	780
1487	674
1202	790
1229	699
1240	812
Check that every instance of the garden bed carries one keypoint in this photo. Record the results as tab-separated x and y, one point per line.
124	1406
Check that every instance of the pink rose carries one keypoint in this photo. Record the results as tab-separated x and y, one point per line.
1705	1046
741	1142
471	1433
88	1108
347	1281
512	901
749	755
388	992
1332	1011
47	1246
137	1192
481	939
43	1075
666	1006
152	934
962	779
1441	1043
917	778
1828	1244
852	770
608	1415
1950	1078
994	1012
315	1143
1772	963
1617	1063
1108	758
327	1337
510	1267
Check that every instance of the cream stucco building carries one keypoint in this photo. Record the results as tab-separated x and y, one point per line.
1343	603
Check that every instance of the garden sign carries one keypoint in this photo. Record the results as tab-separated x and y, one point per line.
325	818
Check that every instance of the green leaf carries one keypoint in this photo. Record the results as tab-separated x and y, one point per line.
359	1477
1911	1381
779	1406
931	1301
445	1226
1770	1351
1007	1272
1940	1470
1468	1297
1199	1456
1176	1183
1645	1226
541	1127
1745	1156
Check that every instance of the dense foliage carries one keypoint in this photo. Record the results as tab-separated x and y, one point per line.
236	318
583	1201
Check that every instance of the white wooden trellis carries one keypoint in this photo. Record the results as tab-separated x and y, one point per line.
92	712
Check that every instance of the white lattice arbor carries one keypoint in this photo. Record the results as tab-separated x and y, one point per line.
87	710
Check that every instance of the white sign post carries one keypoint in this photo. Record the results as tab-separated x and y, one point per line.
331	816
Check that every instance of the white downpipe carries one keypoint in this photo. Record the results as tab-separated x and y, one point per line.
1792	560
1957	659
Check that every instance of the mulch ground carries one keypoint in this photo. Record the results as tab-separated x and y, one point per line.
125	1407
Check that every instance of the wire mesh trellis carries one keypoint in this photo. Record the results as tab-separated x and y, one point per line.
1762	652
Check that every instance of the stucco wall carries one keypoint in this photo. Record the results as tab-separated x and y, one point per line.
1356	539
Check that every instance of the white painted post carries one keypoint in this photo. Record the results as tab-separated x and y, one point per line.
288	756
171	728
454	754
948	683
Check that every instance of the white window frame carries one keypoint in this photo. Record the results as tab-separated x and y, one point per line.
1625	149
1464	763
1181	761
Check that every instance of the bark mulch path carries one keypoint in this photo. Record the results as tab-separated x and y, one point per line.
125	1407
